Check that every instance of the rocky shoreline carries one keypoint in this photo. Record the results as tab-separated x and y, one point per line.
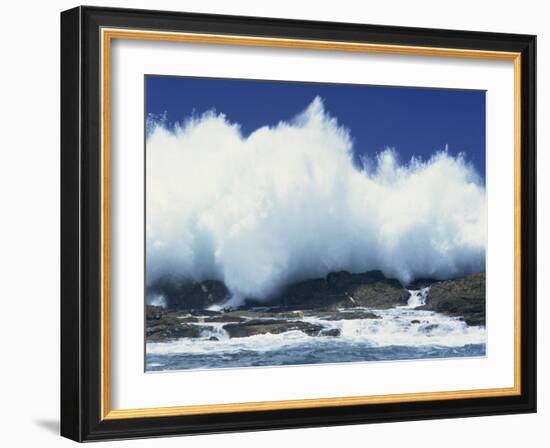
339	296
463	297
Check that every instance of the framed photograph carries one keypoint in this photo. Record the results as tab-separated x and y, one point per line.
273	223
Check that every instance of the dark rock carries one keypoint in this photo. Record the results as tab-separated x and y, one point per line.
429	328
154	312
213	338
332	332
340	290
273	326
463	297
260	313
420	283
223	318
338	279
220	317
203	313
188	319
341	295
345	315
162	325
380	295
170	328
192	316
190	295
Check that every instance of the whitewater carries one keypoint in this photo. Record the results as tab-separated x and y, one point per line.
289	202
400	333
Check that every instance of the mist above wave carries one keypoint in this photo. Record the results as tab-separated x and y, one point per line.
287	203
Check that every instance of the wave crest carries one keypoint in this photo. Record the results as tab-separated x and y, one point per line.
287	203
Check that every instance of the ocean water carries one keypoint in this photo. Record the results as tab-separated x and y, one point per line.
401	333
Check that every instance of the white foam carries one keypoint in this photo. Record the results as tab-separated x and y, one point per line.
157	300
418	297
288	203
394	327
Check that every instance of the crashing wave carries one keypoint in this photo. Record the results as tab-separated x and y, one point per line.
288	203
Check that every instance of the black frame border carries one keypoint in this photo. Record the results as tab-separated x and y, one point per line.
81	224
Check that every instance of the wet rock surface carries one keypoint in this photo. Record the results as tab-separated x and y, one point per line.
342	290
189	295
263	326
338	289
161	326
463	297
339	296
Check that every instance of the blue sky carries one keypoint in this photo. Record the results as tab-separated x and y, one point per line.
414	121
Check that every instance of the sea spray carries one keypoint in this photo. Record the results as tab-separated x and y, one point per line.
287	203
